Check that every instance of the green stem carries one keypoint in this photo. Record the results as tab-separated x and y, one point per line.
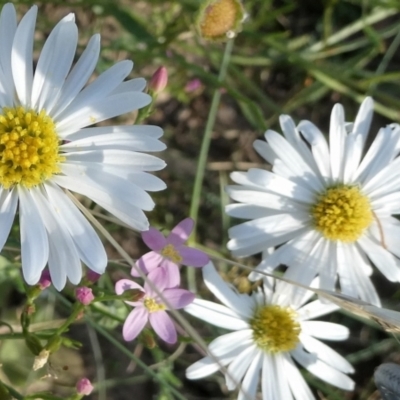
205	145
140	363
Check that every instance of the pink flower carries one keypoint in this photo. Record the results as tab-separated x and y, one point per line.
151	308
193	85
169	252
84	295
84	387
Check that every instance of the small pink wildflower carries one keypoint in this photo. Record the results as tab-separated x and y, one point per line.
84	387
151	308
84	295
170	252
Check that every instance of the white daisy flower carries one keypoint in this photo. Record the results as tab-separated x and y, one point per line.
46	148
270	330
328	207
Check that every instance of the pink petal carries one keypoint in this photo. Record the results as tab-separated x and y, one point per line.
181	232
126	284
178	298
193	257
135	323
147	263
154	239
159	278
172	272
163	326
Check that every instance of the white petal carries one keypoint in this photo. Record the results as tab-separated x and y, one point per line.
8	26
34	241
91	250
273	381
281	186
133	85
8	208
140	134
293	137
63	257
293	160
316	309
388	264
265	199
265	151
216	314
206	366
78	76
101	179
325	330
100	88
21	56
325	353
358	138
239	366
319	147
122	141
322	370
297	384
250	381
226	343
100	110
54	64
337	137
241	304
382	150
124	210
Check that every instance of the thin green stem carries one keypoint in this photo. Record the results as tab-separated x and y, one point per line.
140	363
205	145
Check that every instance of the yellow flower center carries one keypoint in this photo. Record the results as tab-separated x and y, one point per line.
152	305
218	18
275	329
170	252
342	213
28	147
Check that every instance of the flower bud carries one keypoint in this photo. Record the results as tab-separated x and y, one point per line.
220	19
45	280
92	276
84	295
84	387
159	80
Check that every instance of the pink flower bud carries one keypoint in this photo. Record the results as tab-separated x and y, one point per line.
45	280
92	276
84	387
159	80
84	295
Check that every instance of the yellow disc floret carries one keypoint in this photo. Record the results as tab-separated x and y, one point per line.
275	328
169	251
152	305
28	147
342	213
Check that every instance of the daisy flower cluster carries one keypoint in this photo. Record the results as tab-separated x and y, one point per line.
325	211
